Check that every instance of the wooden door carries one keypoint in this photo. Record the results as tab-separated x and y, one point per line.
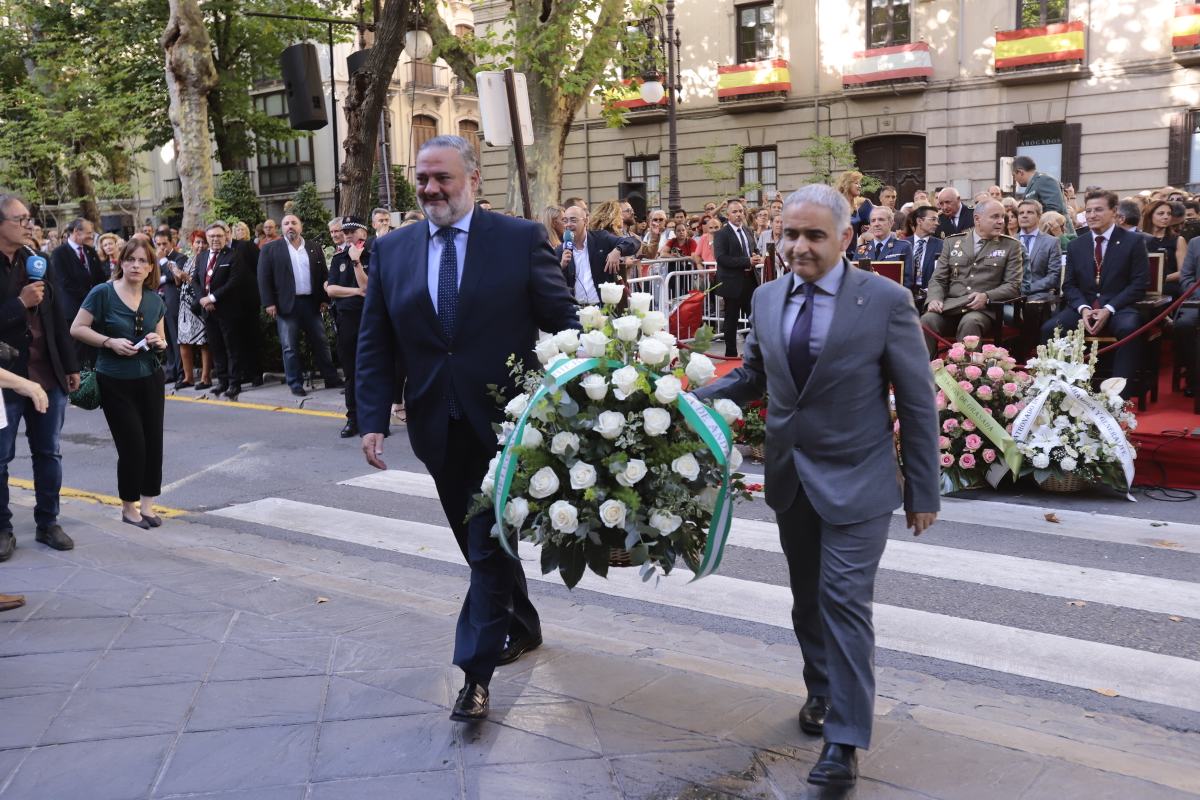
894	160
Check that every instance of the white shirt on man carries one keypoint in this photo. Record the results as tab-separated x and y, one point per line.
300	268
585	290
434	262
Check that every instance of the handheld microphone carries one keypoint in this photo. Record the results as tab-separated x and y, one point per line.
35	268
569	242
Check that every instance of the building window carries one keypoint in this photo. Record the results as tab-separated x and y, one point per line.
469	130
758	167
645	168
888	23
283	164
1044	144
1040	13
755	32
423	129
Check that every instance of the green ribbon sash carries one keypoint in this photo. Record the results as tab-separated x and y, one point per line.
985	422
706	423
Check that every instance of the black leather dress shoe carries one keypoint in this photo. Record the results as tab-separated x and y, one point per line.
299	391
54	536
233	391
336	383
472	703
515	648
348	430
836	766
8	543
812	716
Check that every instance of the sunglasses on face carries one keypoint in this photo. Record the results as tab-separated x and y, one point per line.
138	322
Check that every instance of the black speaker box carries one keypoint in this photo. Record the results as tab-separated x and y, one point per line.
302	84
634	193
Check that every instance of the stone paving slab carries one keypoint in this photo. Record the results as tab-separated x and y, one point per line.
182	665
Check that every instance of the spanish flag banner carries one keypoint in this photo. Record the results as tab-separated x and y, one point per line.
1185	28
1048	45
759	77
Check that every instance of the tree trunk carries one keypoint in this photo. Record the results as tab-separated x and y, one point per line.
190	77
83	189
544	158
363	104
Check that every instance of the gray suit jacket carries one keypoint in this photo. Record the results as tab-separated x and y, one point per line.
834	440
1042	277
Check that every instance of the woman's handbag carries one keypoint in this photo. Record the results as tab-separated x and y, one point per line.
87	396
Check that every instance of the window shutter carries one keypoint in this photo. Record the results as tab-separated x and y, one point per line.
1007	140
1072	146
1178	151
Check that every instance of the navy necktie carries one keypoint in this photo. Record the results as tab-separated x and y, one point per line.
878	250
799	354
919	261
447	297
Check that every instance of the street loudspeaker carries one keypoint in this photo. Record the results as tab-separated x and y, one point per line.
634	193
357	60
302	84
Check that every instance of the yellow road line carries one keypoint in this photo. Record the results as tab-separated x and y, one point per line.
257	407
96	497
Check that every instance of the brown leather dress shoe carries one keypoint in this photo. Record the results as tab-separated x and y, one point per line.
10	601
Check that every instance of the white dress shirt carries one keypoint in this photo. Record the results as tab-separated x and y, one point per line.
585	290
433	264
300	268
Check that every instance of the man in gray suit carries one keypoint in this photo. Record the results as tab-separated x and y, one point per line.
1042	276
1041	187
826	342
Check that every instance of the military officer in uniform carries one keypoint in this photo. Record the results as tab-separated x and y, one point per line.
976	267
347	286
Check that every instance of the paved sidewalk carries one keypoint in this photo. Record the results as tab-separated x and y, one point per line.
196	662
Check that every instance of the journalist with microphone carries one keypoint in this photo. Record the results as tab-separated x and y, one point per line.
34	330
590	257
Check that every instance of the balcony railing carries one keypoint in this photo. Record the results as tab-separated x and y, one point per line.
899	67
758	80
1185	33
1047	53
424	76
461	88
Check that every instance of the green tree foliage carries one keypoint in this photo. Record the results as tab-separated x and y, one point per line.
404	196
314	216
235	200
829	158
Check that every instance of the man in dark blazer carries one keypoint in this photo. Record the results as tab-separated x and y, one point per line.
223	281
77	269
599	250
954	217
737	258
1042	276
170	265
38	346
291	285
883	245
826	341
926	245
1106	275
449	301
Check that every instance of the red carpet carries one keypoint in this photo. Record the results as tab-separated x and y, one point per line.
1167	454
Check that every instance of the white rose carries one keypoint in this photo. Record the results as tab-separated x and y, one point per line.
567	341
516	511
652	352
667	389
591	318
728	410
735	459
594	386
665	338
516	407
488	485
546	351
543	483
687	467
583	476
664	521
564	517
626	328
531	438
612	513
1068	464
625	381
634	471
1041	461
653	322
611	293
609	424
562	442
656	421
594	343
639	302
700	369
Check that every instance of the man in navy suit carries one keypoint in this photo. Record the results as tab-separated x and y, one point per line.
883	244
448	302
1107	273
593	259
927	246
78	269
954	217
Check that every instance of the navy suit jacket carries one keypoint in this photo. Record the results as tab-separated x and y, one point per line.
74	281
511	287
933	249
277	282
1124	273
599	245
964	221
893	250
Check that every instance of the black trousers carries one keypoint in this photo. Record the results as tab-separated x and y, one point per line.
497	603
734	306
224	341
134	410
348	321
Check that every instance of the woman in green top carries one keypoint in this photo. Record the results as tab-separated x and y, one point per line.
124	320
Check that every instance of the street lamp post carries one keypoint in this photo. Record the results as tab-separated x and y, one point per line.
652	92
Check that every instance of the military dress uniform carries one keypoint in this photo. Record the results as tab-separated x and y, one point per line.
348	315
968	265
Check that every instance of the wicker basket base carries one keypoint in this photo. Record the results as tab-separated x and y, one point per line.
619	557
1069	483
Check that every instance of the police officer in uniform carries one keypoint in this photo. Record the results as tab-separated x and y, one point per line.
347	286
976	267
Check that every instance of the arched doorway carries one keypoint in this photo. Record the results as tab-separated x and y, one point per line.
896	161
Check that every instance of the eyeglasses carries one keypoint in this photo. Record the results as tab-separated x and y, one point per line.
23	221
